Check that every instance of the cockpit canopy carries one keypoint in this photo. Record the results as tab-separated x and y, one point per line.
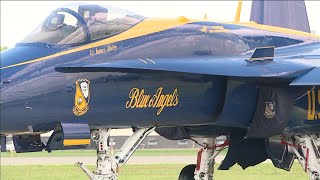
81	23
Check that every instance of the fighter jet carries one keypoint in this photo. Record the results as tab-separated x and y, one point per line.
90	68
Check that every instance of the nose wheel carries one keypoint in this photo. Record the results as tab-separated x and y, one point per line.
204	168
187	173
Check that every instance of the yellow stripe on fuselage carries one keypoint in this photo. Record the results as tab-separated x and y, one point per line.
75	142
147	26
154	25
254	25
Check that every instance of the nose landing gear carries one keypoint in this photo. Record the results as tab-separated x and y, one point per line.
107	165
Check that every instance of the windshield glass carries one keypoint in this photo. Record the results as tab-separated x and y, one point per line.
79	23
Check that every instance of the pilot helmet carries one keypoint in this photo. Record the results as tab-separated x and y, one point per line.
93	12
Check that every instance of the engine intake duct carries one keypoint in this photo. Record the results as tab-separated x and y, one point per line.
71	134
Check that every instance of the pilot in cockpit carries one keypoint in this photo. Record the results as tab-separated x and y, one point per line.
98	19
55	29
95	18
82	24
93	12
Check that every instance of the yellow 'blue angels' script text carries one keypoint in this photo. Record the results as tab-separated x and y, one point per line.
138	99
312	102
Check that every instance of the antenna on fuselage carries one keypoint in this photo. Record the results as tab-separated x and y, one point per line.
238	13
205	17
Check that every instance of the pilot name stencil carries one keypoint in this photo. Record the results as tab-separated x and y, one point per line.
313	100
138	99
109	48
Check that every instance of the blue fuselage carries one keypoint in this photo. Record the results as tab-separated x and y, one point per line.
34	95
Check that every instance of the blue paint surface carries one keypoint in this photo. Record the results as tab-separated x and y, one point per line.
199	65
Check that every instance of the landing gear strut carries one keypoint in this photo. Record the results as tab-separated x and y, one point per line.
107	165
204	168
306	148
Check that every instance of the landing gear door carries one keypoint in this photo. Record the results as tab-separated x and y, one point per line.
279	154
27	143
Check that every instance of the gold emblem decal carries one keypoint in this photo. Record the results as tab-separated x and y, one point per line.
138	99
82	97
270	110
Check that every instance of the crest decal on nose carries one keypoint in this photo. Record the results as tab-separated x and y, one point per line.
82	97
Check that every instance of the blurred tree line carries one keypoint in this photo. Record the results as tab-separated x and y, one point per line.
4	48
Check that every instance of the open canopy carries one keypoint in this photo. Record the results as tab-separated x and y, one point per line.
80	23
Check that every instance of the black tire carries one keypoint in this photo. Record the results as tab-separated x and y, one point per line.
187	173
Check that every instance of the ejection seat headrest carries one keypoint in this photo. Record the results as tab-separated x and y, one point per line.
53	22
86	11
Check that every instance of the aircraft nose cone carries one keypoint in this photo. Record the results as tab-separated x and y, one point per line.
20	54
17	80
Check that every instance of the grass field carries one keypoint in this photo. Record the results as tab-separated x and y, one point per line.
139	152
139	172
147	172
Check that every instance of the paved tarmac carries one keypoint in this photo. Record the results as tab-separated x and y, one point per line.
16	161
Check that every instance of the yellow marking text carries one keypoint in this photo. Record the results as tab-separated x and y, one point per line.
109	48
138	99
214	29
312	103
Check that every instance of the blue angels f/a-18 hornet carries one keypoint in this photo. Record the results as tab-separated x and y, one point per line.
90	68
